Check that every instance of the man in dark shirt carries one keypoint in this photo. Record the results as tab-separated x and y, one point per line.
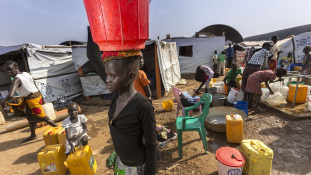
229	54
131	116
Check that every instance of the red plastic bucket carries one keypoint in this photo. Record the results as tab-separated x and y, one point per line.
118	25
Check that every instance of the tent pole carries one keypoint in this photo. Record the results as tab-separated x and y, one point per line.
157	71
24	61
80	71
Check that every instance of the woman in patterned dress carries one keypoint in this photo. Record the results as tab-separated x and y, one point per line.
254	85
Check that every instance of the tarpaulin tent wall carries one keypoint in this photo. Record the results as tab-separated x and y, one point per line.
51	67
162	55
202	52
92	84
294	45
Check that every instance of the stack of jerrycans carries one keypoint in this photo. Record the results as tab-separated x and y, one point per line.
258	157
50	136
52	160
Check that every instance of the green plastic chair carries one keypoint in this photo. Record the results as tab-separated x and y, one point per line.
187	123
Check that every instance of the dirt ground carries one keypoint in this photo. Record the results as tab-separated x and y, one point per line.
289	139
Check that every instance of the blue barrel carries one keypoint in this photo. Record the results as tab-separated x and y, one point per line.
242	105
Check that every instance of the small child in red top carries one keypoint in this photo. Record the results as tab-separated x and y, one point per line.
141	83
254	81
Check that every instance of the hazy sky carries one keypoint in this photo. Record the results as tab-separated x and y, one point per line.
49	22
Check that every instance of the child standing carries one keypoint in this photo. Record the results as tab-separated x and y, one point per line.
222	63
75	127
230	78
141	83
131	116
215	60
254	81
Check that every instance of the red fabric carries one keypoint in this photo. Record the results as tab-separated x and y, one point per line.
36	110
272	65
116	55
40	102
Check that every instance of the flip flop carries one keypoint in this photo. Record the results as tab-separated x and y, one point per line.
259	110
29	139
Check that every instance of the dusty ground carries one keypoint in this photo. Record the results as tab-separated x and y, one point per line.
289	139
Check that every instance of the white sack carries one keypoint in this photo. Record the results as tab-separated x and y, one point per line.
276	99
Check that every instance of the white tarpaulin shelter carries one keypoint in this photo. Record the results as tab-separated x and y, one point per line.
202	52
294	45
52	69
168	63
93	84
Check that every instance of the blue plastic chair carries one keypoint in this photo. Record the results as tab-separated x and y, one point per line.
187	123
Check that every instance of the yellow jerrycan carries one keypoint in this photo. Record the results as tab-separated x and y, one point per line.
50	136
52	160
168	105
234	128
82	162
258	157
61	137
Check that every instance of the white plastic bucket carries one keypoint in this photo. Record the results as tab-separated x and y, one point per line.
232	94
239	96
225	170
265	94
309	89
220	87
309	102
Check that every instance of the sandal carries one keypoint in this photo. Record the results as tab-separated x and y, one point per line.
259	110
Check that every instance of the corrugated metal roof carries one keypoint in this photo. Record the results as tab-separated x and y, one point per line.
281	33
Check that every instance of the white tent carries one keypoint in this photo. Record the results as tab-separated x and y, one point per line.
202	52
52	69
294	45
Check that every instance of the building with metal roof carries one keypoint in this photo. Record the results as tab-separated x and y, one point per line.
230	33
281	33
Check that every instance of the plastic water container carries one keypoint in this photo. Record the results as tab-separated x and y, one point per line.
301	93
220	87
52	160
309	103
265	94
234	128
238	78
229	161
50	136
242	69
168	105
242	105
82	161
309	89
2	120
48	109
232	94
61	137
226	70
118	25
258	157
239	96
